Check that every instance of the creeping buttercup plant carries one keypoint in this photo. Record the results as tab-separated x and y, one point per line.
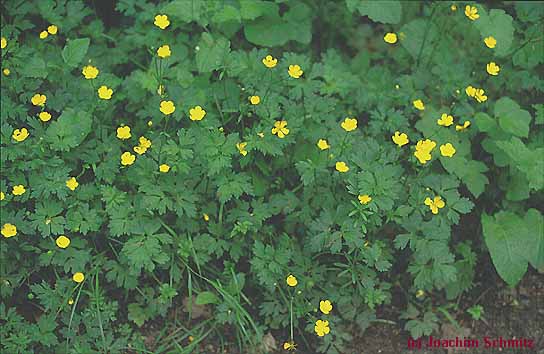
268	167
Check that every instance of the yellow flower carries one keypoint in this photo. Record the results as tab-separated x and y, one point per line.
493	68
150	123
465	125
341	167
295	71
480	95
18	190
90	72
364	199
164	168
167	107
490	42
70	301
241	146
349	124
420	293
206	217
78	277
72	183
323	144
261	135
20	134
38	100
291	280
423	150
123	132
144	142
445	120
161	21
196	113
435	204
322	327
140	150
419	105
255	100
127	158
44	116
447	150
104	92
6	71
52	29
9	230
164	51
400	139
62	241
270	61
2	195
289	345
43	34
390	38
471	12
3	42
470	91
325	306
280	128
160	90
453	8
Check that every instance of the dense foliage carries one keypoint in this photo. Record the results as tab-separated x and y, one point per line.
230	169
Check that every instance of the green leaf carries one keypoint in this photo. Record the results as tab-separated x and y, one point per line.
498	24
74	51
251	9
512	118
416	42
533	246
69	130
381	11
35	67
137	314
206	297
186	10
484	122
212	53
501	234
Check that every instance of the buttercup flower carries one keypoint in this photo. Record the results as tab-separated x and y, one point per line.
3	42
419	105
490	42
471	12
123	132
43	34
78	277
280	128
423	150
197	113
9	230
470	91
6	72
291	280
62	241
44	116
390	38
322	327
38	100
52	29
255	100
323	144
400	139
140	150
493	69
127	158
70	301
18	190
341	167
447	150
295	71
167	107
349	124
325	306
104	92
72	183
20	134
270	61
364	199
90	72
161	21
145	142
206	217
420	293
465	125
289	345
242	148
445	120
164	51
164	168
480	95
2	195
435	204
453	8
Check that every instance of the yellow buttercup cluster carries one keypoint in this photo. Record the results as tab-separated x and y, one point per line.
349	124
241	146
390	38
423	150
143	145
270	61
9	230
161	21
51	29
20	135
123	132
435	204
418	104
127	158
364	199
477	93
323	144
295	71
471	12
492	68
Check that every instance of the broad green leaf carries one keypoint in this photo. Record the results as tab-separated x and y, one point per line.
69	130
498	24
212	53
484	122
251	9
534	245
186	10
416	42
512	118
502	236
35	67
75	50
206	297
381	11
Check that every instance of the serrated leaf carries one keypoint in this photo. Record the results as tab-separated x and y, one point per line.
212	53
381	11
512	118
498	24
75	50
